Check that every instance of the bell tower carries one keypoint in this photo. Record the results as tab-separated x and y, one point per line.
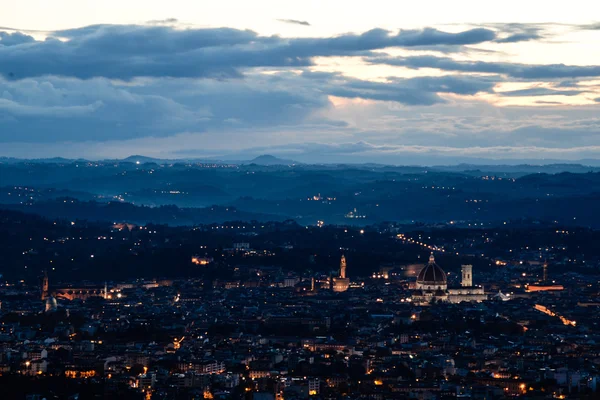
467	276
343	267
45	286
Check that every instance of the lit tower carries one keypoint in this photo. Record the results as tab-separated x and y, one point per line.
341	283
45	286
467	276
545	272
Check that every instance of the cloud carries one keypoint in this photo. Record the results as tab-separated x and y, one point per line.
60	109
15	38
162	21
434	37
513	70
590	27
294	22
570	83
142	89
64	109
520	32
540	91
545	102
129	51
520	37
302	129
8	107
412	91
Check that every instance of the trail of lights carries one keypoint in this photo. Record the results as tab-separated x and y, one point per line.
424	245
551	313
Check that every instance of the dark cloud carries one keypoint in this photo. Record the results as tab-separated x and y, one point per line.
412	91
519	37
125	52
157	84
544	102
57	109
520	71
280	115
62	109
518	32
128	51
433	37
570	83
540	91
13	39
294	22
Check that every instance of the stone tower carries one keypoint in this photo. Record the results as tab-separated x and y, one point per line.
467	276
343	267
45	286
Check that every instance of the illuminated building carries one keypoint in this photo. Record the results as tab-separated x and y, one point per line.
544	285
544	288
341	283
83	373
432	277
50	301
467	276
80	293
201	260
432	286
354	214
146	381
314	386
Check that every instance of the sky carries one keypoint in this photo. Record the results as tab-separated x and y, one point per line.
315	81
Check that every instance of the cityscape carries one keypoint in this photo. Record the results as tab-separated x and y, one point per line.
299	200
277	310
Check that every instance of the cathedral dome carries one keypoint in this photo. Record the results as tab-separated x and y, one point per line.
51	304
432	276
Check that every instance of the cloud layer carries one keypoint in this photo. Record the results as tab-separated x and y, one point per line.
512	70
125	52
220	91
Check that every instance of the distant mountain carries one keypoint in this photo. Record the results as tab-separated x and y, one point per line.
54	160
141	159
518	169
267	159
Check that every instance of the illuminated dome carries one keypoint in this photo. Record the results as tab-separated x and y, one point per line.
432	277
